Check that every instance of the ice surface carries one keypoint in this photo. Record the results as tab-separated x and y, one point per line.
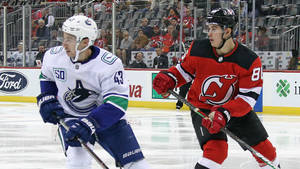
167	139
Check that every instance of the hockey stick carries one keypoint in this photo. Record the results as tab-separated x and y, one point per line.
86	147
225	130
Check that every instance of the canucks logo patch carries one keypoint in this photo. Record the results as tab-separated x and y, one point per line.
80	99
109	59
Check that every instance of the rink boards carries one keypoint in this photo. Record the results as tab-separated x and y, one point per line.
281	90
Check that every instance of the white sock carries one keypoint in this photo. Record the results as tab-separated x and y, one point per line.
78	158
208	163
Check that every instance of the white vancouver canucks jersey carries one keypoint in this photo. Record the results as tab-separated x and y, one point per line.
84	86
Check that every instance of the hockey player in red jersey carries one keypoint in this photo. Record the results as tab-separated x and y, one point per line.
227	80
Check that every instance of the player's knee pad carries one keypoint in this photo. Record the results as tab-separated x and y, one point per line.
78	158
215	150
267	150
140	164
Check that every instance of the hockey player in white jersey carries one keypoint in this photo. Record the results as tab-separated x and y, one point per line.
86	86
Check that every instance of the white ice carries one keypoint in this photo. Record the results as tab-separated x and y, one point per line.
167	139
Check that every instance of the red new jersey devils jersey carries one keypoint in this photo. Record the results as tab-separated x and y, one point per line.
233	80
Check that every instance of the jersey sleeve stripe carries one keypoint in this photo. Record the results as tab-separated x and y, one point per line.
42	76
117	106
118	102
250	94
251	101
254	89
187	76
115	94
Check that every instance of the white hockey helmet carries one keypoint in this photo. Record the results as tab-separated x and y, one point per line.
81	27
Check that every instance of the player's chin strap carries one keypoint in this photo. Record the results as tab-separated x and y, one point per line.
78	51
223	41
225	130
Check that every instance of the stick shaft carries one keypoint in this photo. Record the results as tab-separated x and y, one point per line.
86	147
225	130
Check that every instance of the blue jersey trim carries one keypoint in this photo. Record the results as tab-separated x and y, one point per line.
115	94
48	87
106	115
95	53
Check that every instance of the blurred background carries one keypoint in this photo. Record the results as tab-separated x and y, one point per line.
138	31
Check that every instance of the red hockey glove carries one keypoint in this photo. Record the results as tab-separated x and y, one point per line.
163	82
216	120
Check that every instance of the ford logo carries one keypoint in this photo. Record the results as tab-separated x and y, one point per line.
12	81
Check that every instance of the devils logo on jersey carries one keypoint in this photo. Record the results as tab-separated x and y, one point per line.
79	99
217	90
